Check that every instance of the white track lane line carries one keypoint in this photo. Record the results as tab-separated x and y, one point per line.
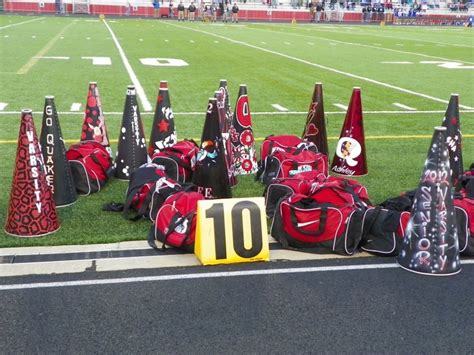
376	82
140	92
21	23
205	275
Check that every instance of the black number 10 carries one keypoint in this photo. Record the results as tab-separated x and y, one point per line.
216	212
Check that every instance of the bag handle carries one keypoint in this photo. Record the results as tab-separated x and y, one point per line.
179	162
176	221
322	221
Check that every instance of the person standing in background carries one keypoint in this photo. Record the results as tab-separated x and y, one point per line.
235	13
156	8
213	12
170	14
311	11
180	11
191	12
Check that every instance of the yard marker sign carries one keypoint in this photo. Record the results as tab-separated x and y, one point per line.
31	211
58	170
349	158
231	231
431	245
131	150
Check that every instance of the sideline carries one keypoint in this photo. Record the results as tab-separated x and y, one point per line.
376	82
257	113
261	139
363	45
205	275
21	23
140	92
377	34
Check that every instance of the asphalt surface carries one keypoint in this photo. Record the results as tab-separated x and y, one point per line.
356	311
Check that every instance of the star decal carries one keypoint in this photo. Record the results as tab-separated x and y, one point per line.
163	125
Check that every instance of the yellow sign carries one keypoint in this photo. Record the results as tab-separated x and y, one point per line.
231	230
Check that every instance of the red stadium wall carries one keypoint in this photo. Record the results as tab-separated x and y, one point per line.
244	14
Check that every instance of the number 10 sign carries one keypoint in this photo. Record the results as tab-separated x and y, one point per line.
231	231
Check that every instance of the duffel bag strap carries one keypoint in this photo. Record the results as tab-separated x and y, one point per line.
175	221
131	193
97	161
348	188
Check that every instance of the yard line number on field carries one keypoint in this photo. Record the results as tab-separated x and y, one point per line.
376	82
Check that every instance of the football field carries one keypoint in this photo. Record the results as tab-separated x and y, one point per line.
406	75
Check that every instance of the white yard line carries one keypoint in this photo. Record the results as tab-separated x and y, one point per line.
205	275
362	45
404	106
48	57
255	113
396	63
140	92
279	108
341	106
76	106
376	82
21	23
3	105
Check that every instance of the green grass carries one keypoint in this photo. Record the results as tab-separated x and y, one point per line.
279	70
